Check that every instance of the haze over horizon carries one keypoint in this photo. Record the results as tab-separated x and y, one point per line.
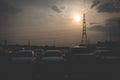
45	22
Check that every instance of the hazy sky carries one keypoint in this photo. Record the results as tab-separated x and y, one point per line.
44	22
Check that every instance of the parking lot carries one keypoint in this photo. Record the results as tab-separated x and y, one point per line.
68	65
70	70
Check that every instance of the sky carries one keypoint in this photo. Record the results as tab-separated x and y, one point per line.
51	22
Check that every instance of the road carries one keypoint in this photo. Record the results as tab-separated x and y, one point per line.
69	70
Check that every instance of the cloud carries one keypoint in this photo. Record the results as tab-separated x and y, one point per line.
112	24
95	3
106	6
50	15
114	20
94	23
56	9
99	28
6	7
63	7
11	6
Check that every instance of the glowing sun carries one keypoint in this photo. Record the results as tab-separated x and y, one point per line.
77	18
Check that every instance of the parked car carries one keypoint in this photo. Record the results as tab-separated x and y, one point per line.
53	56
53	62
107	55
81	54
103	53
39	52
23	56
80	50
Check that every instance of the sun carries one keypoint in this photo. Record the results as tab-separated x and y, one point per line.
77	18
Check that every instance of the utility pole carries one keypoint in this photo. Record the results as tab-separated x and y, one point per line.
110	35
54	42
29	44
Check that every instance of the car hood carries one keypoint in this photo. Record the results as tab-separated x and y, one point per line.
52	58
22	59
83	54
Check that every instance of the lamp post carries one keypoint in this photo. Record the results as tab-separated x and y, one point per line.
110	35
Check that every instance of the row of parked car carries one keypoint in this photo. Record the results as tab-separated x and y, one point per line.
108	55
75	53
37	55
83	53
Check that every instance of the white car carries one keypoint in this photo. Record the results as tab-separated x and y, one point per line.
53	56
103	53
108	55
80	50
23	56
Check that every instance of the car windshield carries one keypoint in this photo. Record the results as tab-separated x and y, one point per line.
80	50
23	54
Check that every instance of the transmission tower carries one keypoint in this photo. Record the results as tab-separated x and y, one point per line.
84	39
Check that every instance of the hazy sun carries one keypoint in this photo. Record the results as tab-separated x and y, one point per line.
77	18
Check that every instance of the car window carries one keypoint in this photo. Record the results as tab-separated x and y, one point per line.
38	51
80	50
53	54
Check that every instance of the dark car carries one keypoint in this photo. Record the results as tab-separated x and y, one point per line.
23	56
81	54
108	55
53	56
80	51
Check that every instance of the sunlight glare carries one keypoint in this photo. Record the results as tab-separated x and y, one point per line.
77	18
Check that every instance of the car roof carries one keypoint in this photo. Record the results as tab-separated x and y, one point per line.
53	51
78	47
